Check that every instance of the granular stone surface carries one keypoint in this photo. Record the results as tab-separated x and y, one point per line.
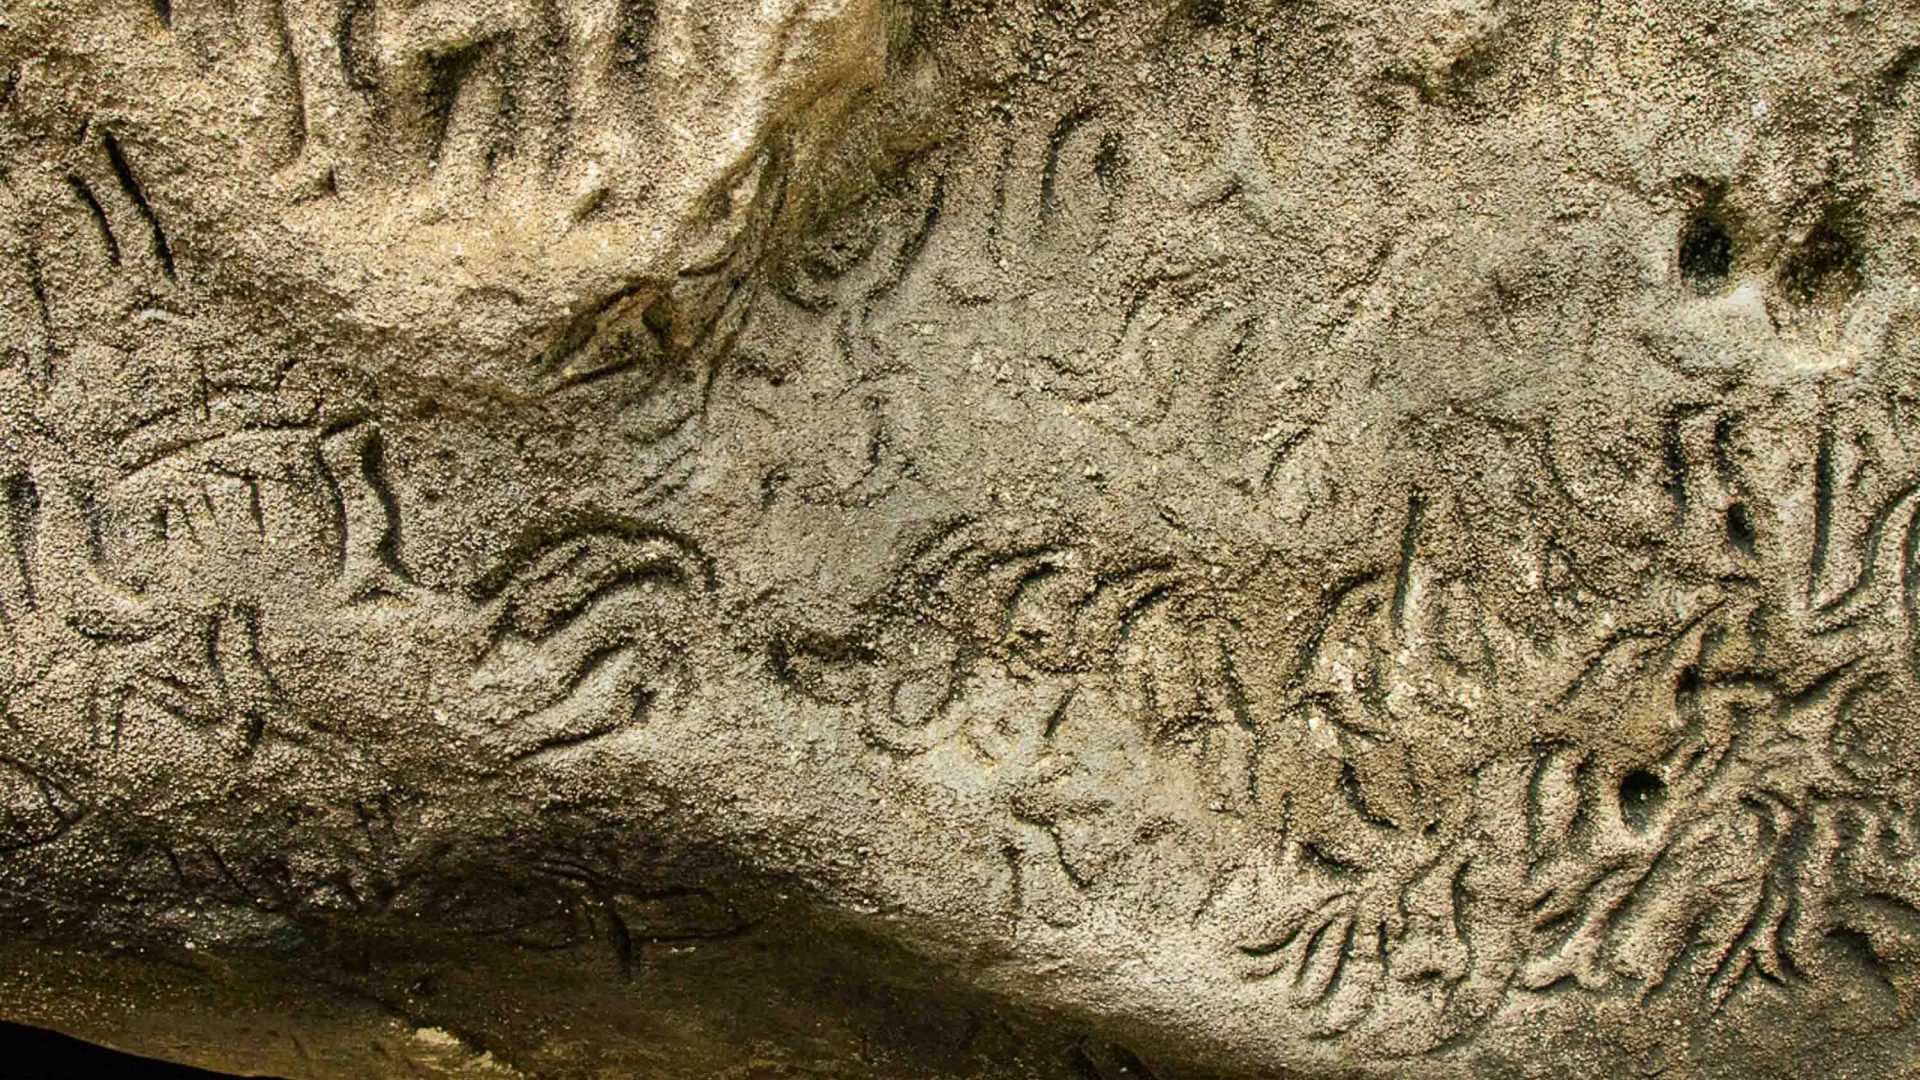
946	539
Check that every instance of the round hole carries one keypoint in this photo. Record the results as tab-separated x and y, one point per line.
1706	251
1826	266
1642	794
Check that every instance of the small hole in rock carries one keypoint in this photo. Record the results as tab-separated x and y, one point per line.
1207	12
1706	250
1740	528
1642	794
1826	266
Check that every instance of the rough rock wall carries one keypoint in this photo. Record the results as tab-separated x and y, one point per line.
957	538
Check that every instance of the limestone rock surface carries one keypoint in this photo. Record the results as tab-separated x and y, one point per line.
953	539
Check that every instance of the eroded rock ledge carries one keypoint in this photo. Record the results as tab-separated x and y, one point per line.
932	538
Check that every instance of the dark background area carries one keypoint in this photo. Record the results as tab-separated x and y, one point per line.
32	1054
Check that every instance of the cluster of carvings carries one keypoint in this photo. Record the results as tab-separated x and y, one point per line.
1416	767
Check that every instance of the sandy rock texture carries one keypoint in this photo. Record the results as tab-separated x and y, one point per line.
946	539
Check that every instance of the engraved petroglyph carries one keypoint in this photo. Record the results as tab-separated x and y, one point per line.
963	539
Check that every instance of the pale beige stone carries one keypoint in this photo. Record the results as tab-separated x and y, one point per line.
948	538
